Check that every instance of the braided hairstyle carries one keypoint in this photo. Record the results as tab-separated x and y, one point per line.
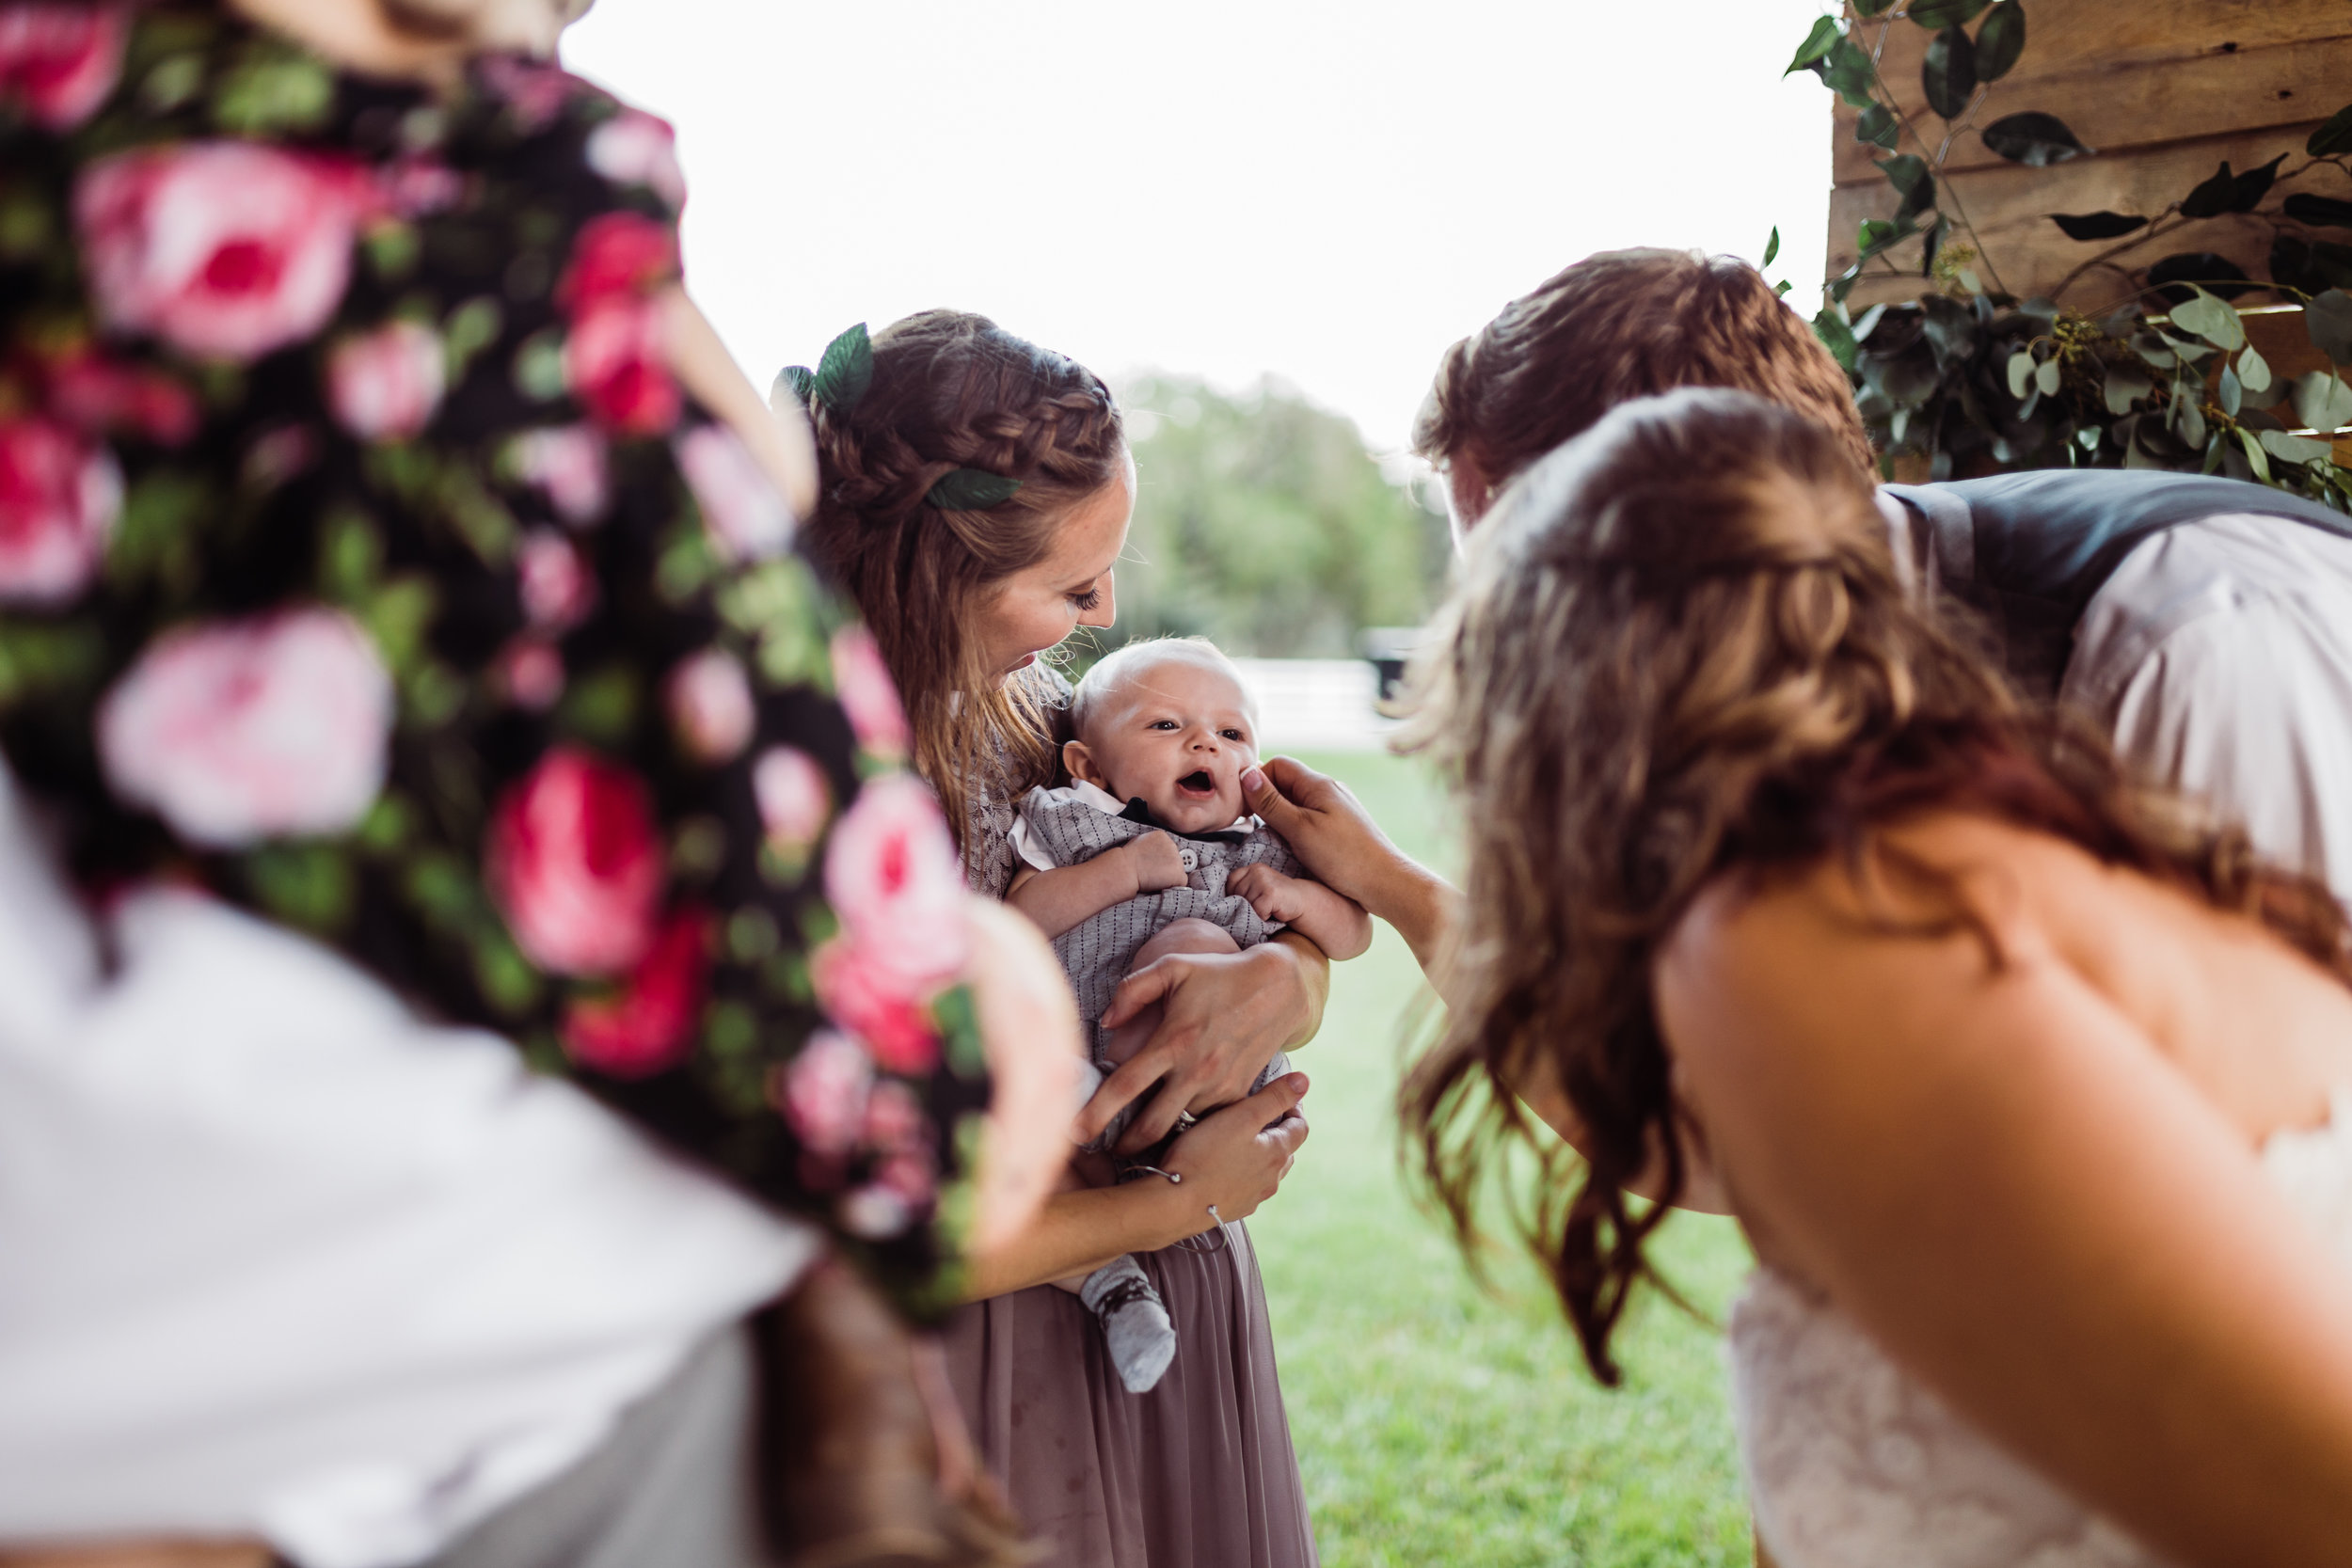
955	390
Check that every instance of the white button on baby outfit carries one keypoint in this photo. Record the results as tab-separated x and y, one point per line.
1188	859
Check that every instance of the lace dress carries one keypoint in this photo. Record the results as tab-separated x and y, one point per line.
1852	1463
1198	1473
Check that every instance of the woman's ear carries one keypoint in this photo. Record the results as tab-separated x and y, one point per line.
1080	763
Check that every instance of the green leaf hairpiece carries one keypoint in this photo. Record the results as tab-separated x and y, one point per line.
844	371
799	379
971	490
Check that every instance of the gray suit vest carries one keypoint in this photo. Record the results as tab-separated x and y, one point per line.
2030	551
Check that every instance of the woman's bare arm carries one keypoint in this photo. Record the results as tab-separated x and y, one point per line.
2002	1180
1233	1160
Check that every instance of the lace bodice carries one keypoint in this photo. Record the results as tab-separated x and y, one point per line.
1852	1463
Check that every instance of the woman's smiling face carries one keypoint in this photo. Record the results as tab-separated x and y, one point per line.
1073	586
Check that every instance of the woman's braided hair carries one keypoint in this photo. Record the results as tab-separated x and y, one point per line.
952	390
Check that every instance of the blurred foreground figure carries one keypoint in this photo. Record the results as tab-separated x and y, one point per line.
405	657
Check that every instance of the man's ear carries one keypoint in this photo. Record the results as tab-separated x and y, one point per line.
1080	764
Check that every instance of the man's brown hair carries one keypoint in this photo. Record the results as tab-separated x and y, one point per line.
1616	326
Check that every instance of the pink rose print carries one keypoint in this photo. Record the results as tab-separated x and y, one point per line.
892	876
710	706
384	386
742	509
557	591
893	1117
634	148
650	1026
237	732
225	250
618	254
869	695
575	865
88	389
795	798
60	61
416	186
823	1093
59	495
615	361
534	93
874	1213
533	674
567	463
872	1000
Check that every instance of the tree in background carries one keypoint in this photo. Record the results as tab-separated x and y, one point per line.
1262	522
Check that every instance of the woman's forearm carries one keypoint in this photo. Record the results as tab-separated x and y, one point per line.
1314	978
1078	1232
1426	910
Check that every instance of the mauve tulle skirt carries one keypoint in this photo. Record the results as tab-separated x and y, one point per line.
1198	1473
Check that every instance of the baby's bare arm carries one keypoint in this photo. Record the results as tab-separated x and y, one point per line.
1068	895
1332	922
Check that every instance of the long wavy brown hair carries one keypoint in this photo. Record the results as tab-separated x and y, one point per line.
955	390
1680	650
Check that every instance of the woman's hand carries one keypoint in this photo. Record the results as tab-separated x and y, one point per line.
1226	1016
1029	1027
1330	830
1233	1160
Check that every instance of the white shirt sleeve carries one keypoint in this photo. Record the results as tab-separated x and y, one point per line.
2219	658
279	1257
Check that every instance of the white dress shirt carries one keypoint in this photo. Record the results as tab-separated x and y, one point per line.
276	1257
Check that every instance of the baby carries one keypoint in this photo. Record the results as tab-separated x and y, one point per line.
1150	852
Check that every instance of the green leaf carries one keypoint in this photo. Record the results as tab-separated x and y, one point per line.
1772	246
2000	40
1910	177
2230	394
2046	378
2254	373
273	93
2329	320
1836	337
2021	372
796	382
2255	454
2174	276
1949	72
1866	8
2320	212
2125	385
308	885
2225	192
1817	44
2211	320
1945	13
1878	127
1874	235
971	490
2034	139
1781	289
1850	73
2323	401
2296	448
2188	419
2333	137
846	370
2097	226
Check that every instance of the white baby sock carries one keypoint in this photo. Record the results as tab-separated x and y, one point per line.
1135	1321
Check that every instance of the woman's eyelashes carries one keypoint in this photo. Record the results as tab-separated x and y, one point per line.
1089	600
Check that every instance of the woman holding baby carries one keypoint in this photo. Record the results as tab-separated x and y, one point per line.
976	492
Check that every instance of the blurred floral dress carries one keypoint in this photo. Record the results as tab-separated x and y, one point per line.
362	562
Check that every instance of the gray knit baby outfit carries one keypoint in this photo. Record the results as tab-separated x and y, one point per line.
1071	825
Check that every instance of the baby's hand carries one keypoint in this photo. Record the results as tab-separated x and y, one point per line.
1157	863
1274	895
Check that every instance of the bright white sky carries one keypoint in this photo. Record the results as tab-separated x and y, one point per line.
1323	191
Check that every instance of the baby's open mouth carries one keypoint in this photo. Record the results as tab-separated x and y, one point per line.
1197	783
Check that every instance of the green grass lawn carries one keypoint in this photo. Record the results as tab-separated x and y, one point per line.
1440	1423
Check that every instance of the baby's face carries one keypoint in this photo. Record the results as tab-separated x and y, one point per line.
1177	733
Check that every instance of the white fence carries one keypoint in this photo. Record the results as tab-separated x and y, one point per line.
1317	704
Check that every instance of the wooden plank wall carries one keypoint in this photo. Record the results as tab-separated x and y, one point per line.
2163	90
